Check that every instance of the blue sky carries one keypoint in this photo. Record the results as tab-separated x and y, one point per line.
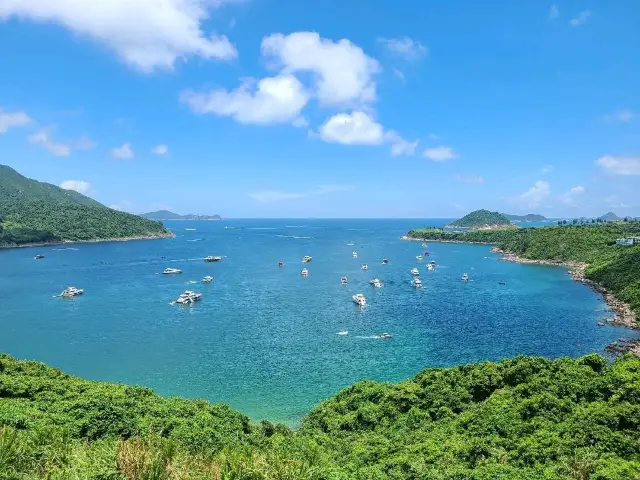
259	108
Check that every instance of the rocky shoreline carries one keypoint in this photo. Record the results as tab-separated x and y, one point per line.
410	239
152	236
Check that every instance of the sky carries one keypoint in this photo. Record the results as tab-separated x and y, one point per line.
265	108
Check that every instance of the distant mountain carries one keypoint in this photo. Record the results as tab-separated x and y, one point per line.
609	217
529	217
37	212
482	218
167	215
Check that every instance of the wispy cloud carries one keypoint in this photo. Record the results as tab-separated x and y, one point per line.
269	196
554	12
439	154
580	19
79	186
43	138
123	152
620	116
570	196
400	146
533	197
620	165
404	47
161	150
84	143
469	178
547	169
13	119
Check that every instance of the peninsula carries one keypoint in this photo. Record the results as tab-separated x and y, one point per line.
167	215
35	213
482	219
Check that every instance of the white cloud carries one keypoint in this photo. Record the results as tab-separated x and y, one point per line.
400	146
620	116
13	119
146	34
405	47
300	122
124	152
433	136
547	169
269	196
160	149
79	186
620	165
533	197
356	128
573	192
43	138
84	143
273	100
614	201
470	178
439	154
554	12
343	73
580	19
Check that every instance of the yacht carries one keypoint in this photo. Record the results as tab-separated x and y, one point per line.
304	272
281	264
426	254
359	299
38	257
207	279
365	267
376	283
171	271
418	257
415	272
343	280
432	262
306	259
343	333
72	292
188	297
424	245
355	254
416	282
211	258
386	336
465	277
385	261
430	267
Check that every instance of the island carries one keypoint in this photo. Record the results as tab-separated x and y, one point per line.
162	215
482	219
36	213
609	217
529	217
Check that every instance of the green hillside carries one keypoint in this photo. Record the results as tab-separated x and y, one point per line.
36	212
481	218
529	217
527	418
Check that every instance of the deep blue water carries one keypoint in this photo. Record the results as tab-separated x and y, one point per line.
263	338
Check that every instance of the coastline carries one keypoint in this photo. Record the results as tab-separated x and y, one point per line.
409	239
155	236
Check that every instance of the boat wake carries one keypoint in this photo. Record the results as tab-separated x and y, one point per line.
63	249
196	240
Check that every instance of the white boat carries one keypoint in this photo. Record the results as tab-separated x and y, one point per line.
415	272
343	333
365	267
385	261
211	258
418	257
171	271
386	336
355	254
39	257
306	259
359	299
188	297
430	267
72	292
376	283
417	283
351	244
304	272
465	277
424	245
207	279
432	262
343	280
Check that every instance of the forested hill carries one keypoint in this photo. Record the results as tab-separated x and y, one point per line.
37	212
482	218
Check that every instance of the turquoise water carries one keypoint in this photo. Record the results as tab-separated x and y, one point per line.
263	338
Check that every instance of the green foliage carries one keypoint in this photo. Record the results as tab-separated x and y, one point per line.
614	267
35	212
481	218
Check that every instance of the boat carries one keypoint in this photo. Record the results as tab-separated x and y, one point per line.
304	272
385	261
430	267
71	292
281	264
601	324
432	262
465	277
343	280
365	267
355	254
416	283
415	272
418	257
190	229
188	297
171	271
211	258
376	283
207	279
343	333
424	245
351	244
359	299
502	282
38	257
386	336
426	254
306	259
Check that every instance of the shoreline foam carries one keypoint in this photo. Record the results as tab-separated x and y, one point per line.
155	236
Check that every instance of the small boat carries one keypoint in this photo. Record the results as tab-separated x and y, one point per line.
424	245
171	271
432	262
426	254
415	272
465	277
385	261
304	272
502	283
211	258
416	283
281	264
207	279
418	257
306	259
601	324
430	267
343	280
71	292
365	267
355	254
351	244
359	299
343	333
188	297
376	283
38	257
386	336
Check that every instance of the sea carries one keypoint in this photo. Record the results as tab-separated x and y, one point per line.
263	339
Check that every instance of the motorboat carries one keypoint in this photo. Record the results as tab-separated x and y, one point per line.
355	254
304	272
343	280
343	333
501	282
415	272
465	277
426	254
38	257
424	245
171	271
430	267
376	283
385	261
306	259
365	267
207	279
188	297
359	299
432	262
71	292
416	282
211	258
351	244
418	257
281	264
386	336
